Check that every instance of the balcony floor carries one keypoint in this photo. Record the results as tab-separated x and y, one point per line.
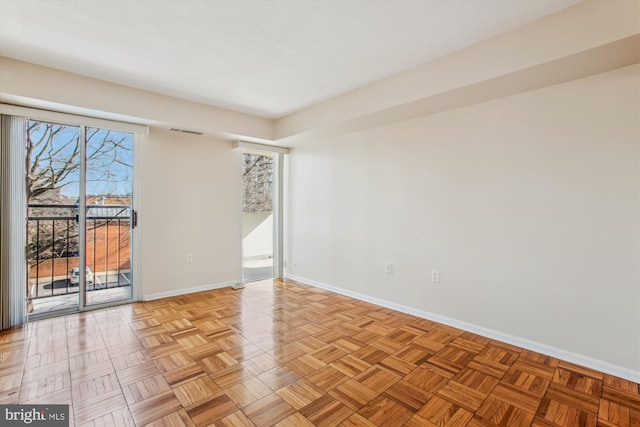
59	294
65	301
257	269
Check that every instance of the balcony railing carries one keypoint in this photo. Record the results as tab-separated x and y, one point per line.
53	248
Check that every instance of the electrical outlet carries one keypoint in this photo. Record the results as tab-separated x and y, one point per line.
189	258
435	276
389	269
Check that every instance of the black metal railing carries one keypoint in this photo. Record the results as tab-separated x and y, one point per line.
53	248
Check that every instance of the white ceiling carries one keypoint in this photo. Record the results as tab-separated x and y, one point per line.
268	58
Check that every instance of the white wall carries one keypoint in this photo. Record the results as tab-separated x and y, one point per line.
190	204
257	235
528	205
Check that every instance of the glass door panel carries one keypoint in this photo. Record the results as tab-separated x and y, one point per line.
52	184
108	198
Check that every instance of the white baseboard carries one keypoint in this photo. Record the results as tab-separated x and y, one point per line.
599	365
176	292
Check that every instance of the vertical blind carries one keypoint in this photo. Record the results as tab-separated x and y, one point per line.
12	221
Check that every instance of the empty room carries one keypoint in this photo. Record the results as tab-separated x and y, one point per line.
320	213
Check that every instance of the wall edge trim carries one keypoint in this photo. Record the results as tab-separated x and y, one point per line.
183	291
579	359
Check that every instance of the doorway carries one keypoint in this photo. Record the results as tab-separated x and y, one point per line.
259	214
80	217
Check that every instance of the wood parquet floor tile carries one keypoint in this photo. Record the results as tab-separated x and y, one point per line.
281	353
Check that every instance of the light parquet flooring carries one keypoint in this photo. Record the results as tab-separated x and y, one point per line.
283	353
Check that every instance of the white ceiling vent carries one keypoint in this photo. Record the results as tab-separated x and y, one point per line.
192	132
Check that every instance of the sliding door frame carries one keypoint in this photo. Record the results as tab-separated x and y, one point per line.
82	220
277	204
278	168
83	122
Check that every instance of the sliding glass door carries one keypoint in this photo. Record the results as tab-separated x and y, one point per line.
79	183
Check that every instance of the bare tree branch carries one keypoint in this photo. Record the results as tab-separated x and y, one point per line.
257	180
